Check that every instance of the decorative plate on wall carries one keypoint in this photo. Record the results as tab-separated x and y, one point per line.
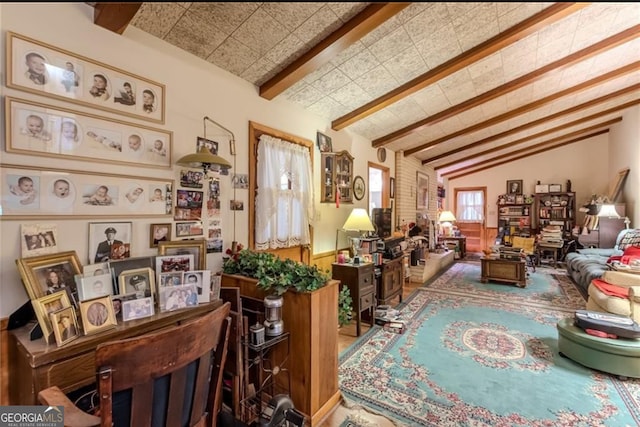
382	154
359	187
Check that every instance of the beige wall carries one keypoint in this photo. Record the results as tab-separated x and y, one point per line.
625	153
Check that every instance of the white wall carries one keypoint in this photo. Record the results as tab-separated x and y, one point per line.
625	153
584	163
194	89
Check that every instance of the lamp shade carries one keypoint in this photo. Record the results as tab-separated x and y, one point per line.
358	220
447	216
608	211
204	160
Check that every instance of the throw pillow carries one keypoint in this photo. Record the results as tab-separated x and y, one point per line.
631	238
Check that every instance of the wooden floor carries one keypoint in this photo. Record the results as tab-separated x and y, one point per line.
347	336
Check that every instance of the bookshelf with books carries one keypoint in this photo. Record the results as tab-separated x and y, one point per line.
513	220
555	211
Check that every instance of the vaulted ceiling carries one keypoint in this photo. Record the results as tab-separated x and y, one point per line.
460	86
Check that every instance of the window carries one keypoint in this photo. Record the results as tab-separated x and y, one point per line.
284	196
469	205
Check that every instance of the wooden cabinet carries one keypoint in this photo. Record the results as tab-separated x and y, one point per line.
556	209
514	220
391	281
337	173
36	365
456	244
360	281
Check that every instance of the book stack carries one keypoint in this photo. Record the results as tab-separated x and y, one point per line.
389	318
551	235
509	253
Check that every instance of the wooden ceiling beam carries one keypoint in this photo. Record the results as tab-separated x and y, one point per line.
527	79
526	126
562	144
369	19
629	68
529	26
114	16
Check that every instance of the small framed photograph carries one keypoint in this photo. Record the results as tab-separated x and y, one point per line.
555	188
173	263
202	280
47	274
542	188
212	146
519	199
236	205
177	297
65	325
324	143
514	186
140	281
240	181
159	233
90	287
191	179
117	301
171	278
97	315
137	309
216	282
96	269
197	248
104	235
47	304
188	229
38	239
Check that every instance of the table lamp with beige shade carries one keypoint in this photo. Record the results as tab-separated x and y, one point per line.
446	220
357	222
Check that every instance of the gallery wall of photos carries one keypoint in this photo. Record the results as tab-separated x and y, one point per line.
73	295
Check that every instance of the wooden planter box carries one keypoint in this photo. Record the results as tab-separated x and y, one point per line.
312	321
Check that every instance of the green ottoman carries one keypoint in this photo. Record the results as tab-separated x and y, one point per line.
615	356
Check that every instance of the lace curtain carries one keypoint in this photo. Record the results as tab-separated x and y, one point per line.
470	206
284	199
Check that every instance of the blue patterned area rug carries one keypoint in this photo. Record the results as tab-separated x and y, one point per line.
478	354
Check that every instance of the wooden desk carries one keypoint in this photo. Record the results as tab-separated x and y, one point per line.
460	242
36	365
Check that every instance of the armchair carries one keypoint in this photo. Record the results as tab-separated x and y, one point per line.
528	246
622	298
172	377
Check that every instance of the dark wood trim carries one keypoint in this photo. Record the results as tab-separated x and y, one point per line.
518	141
532	77
114	16
4	362
549	15
629	68
298	253
562	144
366	21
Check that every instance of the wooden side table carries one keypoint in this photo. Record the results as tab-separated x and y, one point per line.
543	247
360	281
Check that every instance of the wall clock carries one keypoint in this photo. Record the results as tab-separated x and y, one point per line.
382	154
358	187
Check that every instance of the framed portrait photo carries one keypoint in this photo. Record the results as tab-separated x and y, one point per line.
65	325
324	143
202	280
138	308
188	229
177	297
197	248
140	281
212	146
174	263
555	188
47	274
103	236
514	186
422	191
170	278
94	286
47	304
159	233
97	315
122	265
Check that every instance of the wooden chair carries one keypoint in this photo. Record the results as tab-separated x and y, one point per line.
172	377
528	246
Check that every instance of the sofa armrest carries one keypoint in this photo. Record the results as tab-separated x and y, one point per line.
621	279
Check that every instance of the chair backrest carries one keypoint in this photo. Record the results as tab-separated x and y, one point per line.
172	377
527	244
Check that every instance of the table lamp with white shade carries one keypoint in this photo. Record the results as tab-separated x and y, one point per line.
446	220
358	221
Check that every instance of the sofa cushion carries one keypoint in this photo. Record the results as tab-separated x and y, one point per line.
610	304
621	278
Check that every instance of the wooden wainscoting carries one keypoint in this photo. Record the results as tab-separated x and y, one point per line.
4	362
474	232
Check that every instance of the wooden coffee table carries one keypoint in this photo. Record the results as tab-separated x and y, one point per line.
504	270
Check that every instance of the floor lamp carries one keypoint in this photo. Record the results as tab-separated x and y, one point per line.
359	221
